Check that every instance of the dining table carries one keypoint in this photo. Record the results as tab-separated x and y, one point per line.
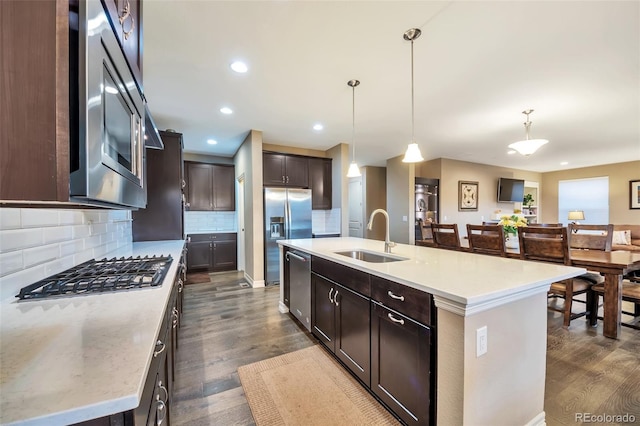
613	265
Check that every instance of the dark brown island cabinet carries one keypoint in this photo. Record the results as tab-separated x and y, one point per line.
383	332
210	187
340	314
212	252
163	217
285	170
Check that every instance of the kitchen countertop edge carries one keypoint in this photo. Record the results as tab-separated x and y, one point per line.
28	412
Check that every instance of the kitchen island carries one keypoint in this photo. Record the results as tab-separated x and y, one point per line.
506	384
71	359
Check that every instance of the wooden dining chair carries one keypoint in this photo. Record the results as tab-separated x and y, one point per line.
630	293
445	236
551	244
486	239
590	237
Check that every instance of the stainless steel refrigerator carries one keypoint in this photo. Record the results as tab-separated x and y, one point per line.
287	215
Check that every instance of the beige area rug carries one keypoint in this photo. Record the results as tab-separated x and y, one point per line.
308	387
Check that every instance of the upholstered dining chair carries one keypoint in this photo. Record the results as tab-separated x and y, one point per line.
446	235
486	239
550	244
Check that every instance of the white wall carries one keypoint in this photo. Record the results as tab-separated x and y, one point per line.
36	243
400	200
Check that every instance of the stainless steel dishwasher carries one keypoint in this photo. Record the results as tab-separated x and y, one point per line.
300	286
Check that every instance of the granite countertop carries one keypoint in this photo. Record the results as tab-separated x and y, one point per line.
71	359
467	282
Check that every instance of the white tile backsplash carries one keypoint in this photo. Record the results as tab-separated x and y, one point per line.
36	243
195	222
325	221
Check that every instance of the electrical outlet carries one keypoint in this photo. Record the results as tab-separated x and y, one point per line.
481	341
405	218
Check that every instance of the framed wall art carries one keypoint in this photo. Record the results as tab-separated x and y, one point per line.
634	194
467	196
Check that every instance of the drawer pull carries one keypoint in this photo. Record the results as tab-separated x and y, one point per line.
330	292
395	296
394	319
180	285
335	298
158	343
160	408
166	392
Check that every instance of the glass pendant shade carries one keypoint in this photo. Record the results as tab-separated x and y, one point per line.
529	146
354	171
413	154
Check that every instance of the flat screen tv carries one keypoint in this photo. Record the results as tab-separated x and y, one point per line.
510	190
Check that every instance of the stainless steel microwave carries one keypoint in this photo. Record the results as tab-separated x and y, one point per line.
107	114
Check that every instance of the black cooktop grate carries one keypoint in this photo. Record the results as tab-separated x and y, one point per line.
96	276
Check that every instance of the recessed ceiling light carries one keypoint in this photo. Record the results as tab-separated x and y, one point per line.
511	152
239	66
226	110
318	126
564	163
212	141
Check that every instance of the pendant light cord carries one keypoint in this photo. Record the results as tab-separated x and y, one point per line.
353	122
413	140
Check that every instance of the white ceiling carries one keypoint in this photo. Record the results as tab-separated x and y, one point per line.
478	65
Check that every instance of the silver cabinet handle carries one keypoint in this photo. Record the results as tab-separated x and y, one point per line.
156	353
160	407
180	285
176	316
395	296
394	319
330	292
287	179
166	392
184	183
296	256
282	179
335	298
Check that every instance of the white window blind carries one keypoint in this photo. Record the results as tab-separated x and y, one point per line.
589	195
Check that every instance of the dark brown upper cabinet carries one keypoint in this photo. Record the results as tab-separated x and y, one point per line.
320	183
162	219
210	187
285	170
126	21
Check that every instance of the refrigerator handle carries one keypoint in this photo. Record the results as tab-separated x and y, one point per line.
287	218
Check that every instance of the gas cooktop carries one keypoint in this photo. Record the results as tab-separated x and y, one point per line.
101	276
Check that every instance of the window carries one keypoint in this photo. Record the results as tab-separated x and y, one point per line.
589	195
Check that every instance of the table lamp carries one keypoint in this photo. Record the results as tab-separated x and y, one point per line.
575	216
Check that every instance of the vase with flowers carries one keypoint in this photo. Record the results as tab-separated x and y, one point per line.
510	224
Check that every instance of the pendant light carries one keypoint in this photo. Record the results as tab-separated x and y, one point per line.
354	171
413	154
528	146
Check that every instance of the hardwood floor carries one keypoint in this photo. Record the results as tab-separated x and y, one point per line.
225	325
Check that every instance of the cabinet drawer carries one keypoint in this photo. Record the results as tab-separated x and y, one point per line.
228	236
198	238
413	303
351	278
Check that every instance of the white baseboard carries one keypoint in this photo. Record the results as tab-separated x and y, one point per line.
538	420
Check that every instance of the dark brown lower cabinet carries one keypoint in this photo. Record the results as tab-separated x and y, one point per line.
401	364
341	320
213	252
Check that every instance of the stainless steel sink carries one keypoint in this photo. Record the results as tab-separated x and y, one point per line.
370	256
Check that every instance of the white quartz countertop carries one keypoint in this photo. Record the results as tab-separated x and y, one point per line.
76	358
464	282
